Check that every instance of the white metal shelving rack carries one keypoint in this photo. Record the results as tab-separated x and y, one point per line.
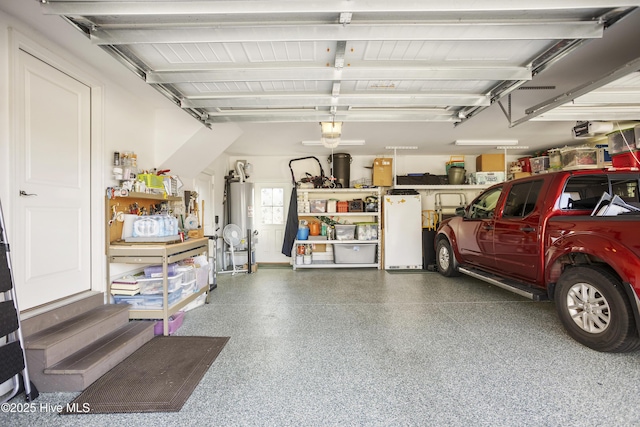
343	194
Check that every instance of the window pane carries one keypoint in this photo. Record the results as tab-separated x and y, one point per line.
278	215
266	197
267	215
278	197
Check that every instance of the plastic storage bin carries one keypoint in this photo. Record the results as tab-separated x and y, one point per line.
148	301
367	231
152	180
356	205
175	321
354	254
626	160
582	157
555	159
317	206
539	164
342	206
202	276
188	273
154	285
155	226
345	231
625	141
156	270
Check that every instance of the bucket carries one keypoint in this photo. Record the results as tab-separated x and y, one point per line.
303	233
456	175
341	168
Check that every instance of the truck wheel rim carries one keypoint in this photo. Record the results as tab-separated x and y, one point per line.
444	258
588	308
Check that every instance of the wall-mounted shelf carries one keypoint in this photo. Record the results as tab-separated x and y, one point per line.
332	214
441	187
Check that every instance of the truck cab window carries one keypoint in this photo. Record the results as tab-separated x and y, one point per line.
583	192
521	200
484	206
626	189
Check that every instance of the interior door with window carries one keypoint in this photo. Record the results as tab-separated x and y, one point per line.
51	245
272	204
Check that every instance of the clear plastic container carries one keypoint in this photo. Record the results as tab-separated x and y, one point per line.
624	141
148	301
555	159
539	164
156	270
367	231
155	226
154	285
345	231
581	157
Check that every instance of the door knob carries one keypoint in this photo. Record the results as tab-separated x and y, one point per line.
25	194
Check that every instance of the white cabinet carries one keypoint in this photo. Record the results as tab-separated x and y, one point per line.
362	247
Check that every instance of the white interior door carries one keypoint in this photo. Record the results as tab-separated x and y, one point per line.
51	248
272	205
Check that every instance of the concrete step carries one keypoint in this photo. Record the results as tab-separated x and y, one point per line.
79	370
49	346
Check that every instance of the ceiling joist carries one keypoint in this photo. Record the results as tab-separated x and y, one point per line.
365	60
352	32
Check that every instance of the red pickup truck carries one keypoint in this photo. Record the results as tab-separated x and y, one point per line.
536	236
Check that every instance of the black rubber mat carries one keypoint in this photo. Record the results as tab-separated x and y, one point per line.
159	377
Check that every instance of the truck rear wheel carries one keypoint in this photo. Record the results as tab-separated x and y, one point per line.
595	311
445	260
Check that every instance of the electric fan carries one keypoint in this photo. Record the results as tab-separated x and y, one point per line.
232	235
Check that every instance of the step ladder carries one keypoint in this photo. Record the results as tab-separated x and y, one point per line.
13	366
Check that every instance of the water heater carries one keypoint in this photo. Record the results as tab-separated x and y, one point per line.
241	196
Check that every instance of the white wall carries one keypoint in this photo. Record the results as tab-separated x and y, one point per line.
127	122
276	168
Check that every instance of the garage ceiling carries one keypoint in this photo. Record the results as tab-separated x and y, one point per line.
289	61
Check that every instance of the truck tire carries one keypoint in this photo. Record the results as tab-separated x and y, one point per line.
445	260
595	311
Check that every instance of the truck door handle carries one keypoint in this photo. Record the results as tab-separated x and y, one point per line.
24	193
527	229
488	227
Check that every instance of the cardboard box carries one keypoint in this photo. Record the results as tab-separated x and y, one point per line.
519	175
383	172
490	163
486	178
318	247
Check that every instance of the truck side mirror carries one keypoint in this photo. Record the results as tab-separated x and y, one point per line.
461	211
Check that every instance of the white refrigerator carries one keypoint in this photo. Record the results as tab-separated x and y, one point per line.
402	232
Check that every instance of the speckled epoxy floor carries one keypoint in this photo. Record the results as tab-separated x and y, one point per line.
360	347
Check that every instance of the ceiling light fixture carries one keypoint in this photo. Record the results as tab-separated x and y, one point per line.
486	142
330	133
342	142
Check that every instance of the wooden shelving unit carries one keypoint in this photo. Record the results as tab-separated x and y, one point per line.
118	251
